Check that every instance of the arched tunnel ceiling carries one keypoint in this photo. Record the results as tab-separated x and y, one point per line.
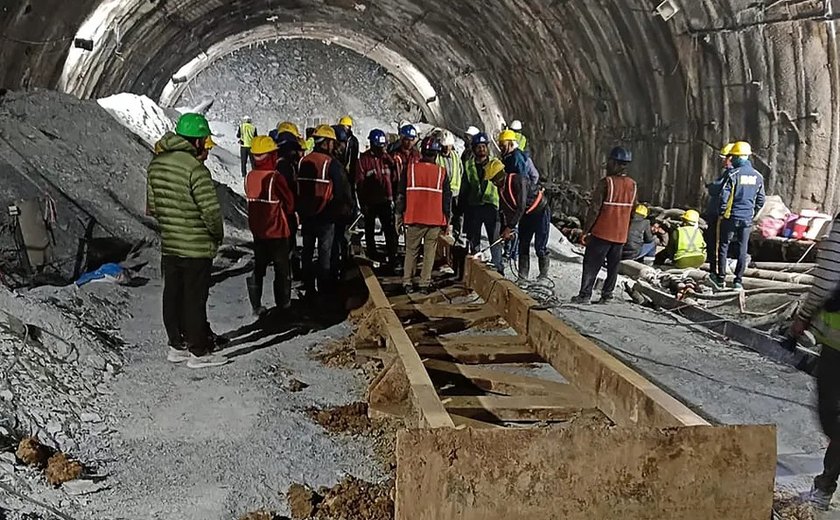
583	74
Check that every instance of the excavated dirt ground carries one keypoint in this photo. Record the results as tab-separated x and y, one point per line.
349	499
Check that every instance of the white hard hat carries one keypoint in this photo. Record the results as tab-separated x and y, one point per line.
473	131
246	119
448	139
516	125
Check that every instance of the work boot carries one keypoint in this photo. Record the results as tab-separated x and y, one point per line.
207	361
819	499
524	267
738	286
255	295
606	298
718	283
545	262
178	355
581	300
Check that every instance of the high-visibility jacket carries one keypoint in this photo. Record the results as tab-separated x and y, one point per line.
373	178
309	145
521	140
476	190
453	166
247	132
826	325
613	221
403	158
690	248
518	198
315	185
424	202
269	201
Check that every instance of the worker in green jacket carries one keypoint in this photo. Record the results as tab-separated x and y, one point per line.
182	197
479	200
451	161
246	133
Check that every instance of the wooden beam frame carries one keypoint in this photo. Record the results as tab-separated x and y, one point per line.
501	382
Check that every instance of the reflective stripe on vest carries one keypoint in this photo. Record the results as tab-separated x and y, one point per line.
491	192
611	200
320	191
613	219
453	166
691	247
247	132
253	187
511	203
424	199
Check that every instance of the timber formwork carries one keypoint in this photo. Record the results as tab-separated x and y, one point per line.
599	442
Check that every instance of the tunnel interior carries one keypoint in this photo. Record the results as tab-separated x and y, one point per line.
671	80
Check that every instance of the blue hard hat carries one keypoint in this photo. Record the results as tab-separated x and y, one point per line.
621	155
431	145
480	138
408	131
287	141
340	134
377	138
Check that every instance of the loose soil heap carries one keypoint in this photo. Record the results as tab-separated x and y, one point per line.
349	499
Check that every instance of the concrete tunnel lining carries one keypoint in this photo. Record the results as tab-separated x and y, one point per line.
583	76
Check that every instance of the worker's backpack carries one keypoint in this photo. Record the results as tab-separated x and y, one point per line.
315	186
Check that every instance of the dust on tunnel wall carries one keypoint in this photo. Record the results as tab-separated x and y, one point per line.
582	75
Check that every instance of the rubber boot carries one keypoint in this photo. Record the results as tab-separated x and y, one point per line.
255	294
544	263
283	294
524	267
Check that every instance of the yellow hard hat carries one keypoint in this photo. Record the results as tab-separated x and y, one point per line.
263	144
691	216
642	210
493	169
507	135
287	126
726	150
209	143
741	148
324	132
346	121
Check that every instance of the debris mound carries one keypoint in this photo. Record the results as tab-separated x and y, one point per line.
350	418
33	453
262	515
792	507
295	385
338	354
61	469
350	498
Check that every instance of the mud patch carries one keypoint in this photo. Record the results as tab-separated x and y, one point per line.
350	418
350	498
792	507
61	469
32	453
338	354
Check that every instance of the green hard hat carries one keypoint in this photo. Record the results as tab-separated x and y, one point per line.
194	126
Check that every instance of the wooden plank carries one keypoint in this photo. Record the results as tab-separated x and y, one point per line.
686	473
479	355
504	383
423	395
529	408
467	311
468	422
621	393
441	295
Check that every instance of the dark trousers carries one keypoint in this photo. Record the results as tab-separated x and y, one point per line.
456	218
385	215
597	252
322	235
486	216
534	226
731	232
275	253
186	287
711	244
828	396
340	250
246	158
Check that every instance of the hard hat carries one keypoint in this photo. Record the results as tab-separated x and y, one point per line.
263	144
473	131
726	150
430	146
691	216
516	126
287	126
246	119
193	126
346	121
642	210
408	131
377	138
621	155
480	138
448	139
340	133
507	135
741	148
209	143
493	169
288	141
324	132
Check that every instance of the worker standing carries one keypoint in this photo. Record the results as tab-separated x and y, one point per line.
450	160
341	244
521	140
523	204
309	142
405	154
290	150
710	215
181	196
321	201
468	150
516	161
376	195
351	154
423	204
640	240
608	221
480	200
246	133
270	200
741	198
687	247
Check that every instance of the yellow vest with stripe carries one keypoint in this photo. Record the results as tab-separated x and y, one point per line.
691	248
247	132
454	170
476	197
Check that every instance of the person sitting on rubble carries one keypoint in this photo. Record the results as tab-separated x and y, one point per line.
640	240
182	197
687	247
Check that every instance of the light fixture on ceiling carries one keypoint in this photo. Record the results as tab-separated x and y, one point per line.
83	43
179	79
667	9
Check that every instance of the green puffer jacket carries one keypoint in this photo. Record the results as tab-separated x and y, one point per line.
182	197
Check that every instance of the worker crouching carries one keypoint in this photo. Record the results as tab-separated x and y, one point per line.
424	202
687	247
270	199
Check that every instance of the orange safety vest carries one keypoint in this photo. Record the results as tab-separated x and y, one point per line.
509	198
424	194
613	222
266	211
315	187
